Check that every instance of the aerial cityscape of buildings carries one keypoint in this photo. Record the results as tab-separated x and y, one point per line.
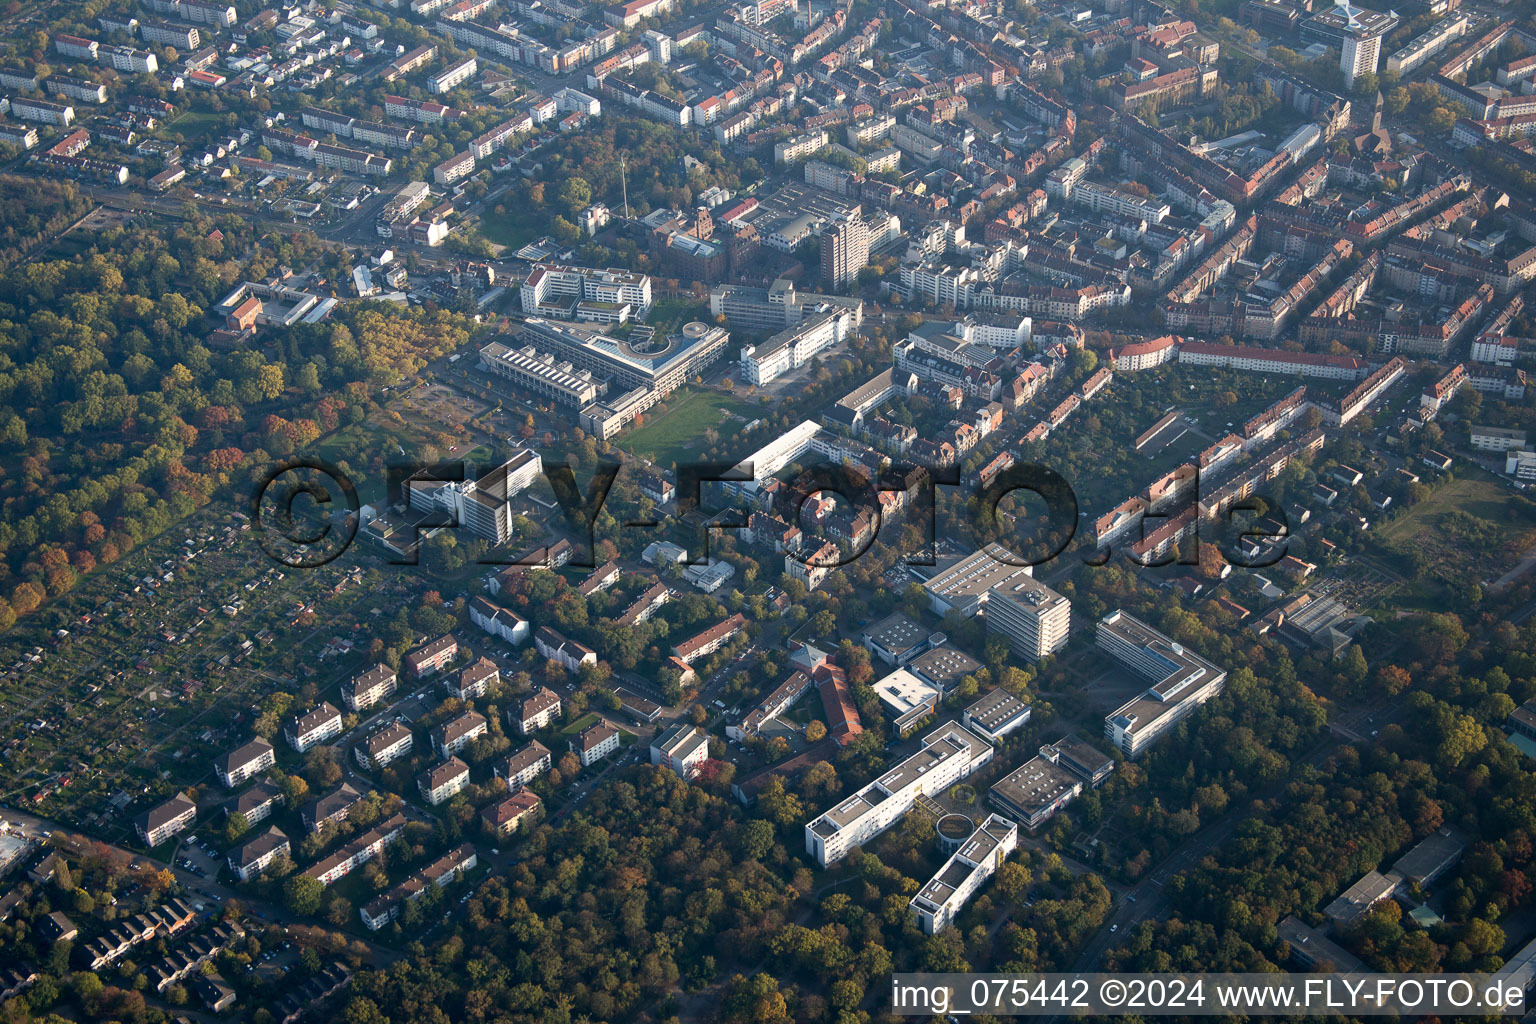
648	511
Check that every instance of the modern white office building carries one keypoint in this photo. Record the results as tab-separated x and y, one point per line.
796	346
1181	682
949	754
480	506
1033	617
967	869
964	584
548	283
1035	791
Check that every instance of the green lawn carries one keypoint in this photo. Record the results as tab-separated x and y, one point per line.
516	226
678	434
588	719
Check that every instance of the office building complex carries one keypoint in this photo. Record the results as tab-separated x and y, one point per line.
481	506
967	869
1031	615
1035	791
949	754
1181	681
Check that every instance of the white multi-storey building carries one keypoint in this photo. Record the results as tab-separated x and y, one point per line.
60	115
1031	615
682	748
1181	682
358	852
548	281
443	781
507	626
160	823
542	374
386	745
538	711
479	505
363	691
967	869
520	769
1112	200
245	762
249	860
558	647
453	76
594	743
949	754
313	727
796	346
453	736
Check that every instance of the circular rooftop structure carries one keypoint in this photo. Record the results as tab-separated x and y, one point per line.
954	830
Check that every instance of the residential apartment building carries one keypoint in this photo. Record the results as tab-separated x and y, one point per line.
245	762
440	874
558	647
388	744
594	743
60	115
453	76
164	33
453	736
358	852
539	711
313	727
844	250
475	681
443	781
518	811
507	626
682	748
256	802
460	165
250	859
1181	682
331	808
160	823
521	768
363	691
703	644
432	657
